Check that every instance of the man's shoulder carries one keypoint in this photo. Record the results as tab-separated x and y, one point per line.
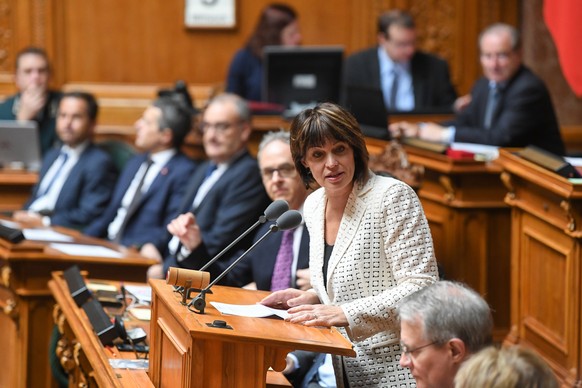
95	156
182	162
428	59
363	55
526	77
6	108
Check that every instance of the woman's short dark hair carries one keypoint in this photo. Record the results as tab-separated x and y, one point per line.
327	121
274	18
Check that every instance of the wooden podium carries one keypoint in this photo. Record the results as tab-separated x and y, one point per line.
81	353
186	352
469	222
15	188
546	264
27	304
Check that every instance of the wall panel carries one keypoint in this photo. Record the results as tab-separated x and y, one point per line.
146	42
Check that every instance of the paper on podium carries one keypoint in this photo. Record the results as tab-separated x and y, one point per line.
86	250
46	235
249	310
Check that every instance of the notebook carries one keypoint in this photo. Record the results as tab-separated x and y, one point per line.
367	106
19	145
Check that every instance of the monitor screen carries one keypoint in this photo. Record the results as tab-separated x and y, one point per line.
299	77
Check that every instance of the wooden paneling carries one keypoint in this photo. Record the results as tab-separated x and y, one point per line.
133	41
546	270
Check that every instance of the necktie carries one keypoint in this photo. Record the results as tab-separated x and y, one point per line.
60	161
210	169
312	374
394	90
134	201
492	101
282	272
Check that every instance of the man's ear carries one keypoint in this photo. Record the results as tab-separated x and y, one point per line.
458	350
167	136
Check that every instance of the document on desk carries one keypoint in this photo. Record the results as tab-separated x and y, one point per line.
142	293
46	235
86	250
482	152
249	310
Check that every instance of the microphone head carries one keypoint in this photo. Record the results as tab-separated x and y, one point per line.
288	220
180	277
275	210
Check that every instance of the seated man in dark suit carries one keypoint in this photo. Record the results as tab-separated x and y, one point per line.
148	193
282	259
409	79
281	181
224	196
76	180
34	101
510	106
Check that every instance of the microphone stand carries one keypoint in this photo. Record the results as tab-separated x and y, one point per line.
262	219
199	303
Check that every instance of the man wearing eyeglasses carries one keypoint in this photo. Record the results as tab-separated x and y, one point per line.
509	106
440	327
223	198
410	80
148	193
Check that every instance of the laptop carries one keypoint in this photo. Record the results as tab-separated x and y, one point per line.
19	145
367	106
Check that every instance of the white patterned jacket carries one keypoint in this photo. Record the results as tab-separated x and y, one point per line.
383	251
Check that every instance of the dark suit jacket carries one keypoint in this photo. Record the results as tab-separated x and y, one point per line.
157	207
232	205
86	191
431	80
259	264
46	119
524	115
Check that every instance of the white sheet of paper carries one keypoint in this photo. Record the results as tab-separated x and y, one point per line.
141	314
249	310
86	250
574	161
487	152
46	235
10	224
142	293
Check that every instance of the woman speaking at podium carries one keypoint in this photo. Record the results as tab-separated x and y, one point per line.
370	247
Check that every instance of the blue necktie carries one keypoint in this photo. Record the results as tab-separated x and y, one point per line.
394	90
492	101
61	160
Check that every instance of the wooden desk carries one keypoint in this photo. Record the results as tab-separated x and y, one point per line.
15	188
84	357
82	354
546	265
185	352
469	222
27	304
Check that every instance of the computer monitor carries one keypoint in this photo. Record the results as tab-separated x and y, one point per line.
367	106
300	77
19	145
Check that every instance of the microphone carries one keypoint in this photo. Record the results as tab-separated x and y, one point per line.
181	277
272	212
288	220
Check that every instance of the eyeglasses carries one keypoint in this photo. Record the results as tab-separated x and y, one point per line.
409	352
220	127
284	171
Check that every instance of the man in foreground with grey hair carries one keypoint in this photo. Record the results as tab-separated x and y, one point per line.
441	326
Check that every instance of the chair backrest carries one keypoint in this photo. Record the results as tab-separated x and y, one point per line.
119	150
